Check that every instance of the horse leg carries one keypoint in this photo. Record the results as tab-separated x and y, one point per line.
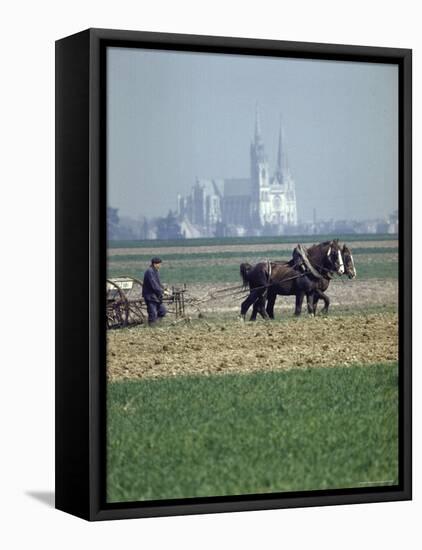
326	303
316	300
254	312
246	304
260	305
256	295
270	304
299	301
310	299
253	299
308	304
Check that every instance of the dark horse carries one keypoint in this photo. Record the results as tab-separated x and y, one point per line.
267	279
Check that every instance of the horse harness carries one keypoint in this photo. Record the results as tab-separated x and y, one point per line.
309	271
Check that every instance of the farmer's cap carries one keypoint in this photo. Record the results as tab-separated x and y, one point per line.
156	260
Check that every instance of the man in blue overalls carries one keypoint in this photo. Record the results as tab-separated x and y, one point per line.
153	291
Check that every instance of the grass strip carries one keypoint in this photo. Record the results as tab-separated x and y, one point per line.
196	436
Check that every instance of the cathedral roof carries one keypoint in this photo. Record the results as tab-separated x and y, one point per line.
237	187
211	186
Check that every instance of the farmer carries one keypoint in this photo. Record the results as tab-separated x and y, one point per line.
153	291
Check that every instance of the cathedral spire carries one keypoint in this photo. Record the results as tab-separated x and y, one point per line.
257	146
257	124
280	150
281	157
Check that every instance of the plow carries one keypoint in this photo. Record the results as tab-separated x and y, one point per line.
126	307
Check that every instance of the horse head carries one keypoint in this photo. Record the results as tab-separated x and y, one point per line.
349	264
334	259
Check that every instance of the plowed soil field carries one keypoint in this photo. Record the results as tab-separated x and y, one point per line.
203	347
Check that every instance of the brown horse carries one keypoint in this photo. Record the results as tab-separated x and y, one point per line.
268	279
258	278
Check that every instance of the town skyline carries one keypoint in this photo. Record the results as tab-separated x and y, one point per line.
194	118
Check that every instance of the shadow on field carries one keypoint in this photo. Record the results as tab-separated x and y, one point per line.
45	497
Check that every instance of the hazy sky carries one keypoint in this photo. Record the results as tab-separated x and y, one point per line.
175	116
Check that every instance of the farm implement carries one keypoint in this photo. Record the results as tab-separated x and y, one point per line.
126	307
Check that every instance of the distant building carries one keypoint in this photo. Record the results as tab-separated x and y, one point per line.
168	228
260	204
393	222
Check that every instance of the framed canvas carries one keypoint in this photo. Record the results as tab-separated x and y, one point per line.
233	274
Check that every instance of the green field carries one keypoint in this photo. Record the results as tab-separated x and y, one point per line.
241	254
306	429
213	265
251	240
229	273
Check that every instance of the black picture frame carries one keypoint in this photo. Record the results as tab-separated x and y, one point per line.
81	272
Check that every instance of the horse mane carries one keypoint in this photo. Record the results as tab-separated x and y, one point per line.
315	251
317	247
325	243
328	243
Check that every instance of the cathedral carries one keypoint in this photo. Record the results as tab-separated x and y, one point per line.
262	204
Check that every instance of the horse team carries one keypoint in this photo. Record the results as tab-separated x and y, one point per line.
308	273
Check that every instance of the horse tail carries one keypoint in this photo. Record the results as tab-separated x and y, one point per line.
244	273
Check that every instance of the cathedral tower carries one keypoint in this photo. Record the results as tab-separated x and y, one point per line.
260	181
283	179
279	168
261	204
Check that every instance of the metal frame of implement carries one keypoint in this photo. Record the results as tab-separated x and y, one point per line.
126	307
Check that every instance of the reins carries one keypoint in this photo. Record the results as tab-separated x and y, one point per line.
236	290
